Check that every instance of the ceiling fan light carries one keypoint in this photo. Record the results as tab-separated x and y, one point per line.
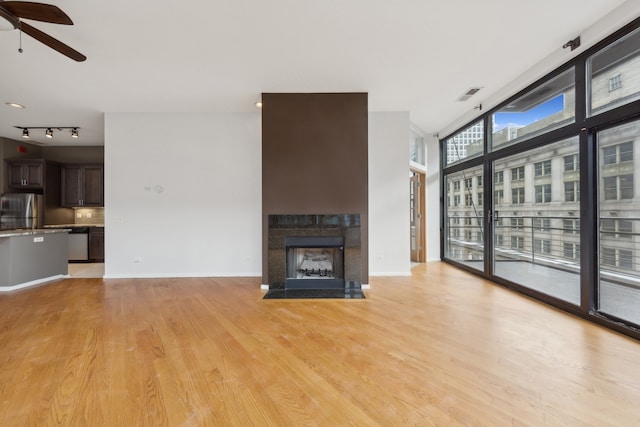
74	133
49	133
25	133
15	105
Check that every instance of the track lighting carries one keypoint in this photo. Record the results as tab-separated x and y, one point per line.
48	130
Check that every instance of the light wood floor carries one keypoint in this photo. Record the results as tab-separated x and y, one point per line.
441	348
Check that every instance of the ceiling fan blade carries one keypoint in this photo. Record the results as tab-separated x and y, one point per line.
37	11
51	42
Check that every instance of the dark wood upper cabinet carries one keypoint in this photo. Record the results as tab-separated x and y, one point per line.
82	186
26	174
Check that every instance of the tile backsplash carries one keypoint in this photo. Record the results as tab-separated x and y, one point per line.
88	216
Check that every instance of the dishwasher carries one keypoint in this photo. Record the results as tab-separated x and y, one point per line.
79	244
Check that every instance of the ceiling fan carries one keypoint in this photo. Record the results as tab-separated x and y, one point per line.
12	11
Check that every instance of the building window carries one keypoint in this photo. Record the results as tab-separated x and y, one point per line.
616	228
542	246
542	224
517	242
619	153
468	200
571	191
468	183
499	240
456	200
621	258
571	226
479	181
517	174
571	163
498	196
543	193
618	187
571	250
517	223
542	168
498	177
615	82
456	185
517	196
480	197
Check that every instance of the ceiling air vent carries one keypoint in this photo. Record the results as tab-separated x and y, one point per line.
468	94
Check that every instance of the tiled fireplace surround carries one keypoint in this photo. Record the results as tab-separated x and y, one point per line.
338	225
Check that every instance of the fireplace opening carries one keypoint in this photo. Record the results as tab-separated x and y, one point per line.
314	262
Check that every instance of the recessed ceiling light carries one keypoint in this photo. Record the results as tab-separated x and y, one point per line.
15	105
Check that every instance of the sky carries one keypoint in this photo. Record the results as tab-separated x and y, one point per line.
504	119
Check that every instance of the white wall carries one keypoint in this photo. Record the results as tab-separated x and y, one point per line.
433	198
183	194
389	234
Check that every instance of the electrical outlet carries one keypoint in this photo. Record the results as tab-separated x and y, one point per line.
137	260
89	215
78	215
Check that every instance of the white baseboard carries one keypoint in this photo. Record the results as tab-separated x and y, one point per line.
390	274
176	275
33	283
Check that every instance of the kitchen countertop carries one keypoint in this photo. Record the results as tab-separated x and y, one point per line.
22	232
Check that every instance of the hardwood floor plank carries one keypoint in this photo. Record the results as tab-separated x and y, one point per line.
440	348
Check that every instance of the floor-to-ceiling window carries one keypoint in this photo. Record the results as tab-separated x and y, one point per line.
537	222
541	193
619	218
464	198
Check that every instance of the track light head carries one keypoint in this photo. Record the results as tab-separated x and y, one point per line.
48	130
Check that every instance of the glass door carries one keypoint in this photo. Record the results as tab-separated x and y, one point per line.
536	219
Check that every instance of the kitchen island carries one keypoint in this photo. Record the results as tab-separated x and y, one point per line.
31	257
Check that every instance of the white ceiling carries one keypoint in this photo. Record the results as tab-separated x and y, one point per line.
214	56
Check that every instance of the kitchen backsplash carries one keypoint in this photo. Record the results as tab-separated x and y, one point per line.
89	216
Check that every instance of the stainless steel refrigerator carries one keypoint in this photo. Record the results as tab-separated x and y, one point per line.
21	210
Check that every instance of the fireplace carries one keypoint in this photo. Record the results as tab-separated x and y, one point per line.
314	251
314	262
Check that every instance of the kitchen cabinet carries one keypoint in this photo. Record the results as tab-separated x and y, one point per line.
82	186
96	244
26	174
